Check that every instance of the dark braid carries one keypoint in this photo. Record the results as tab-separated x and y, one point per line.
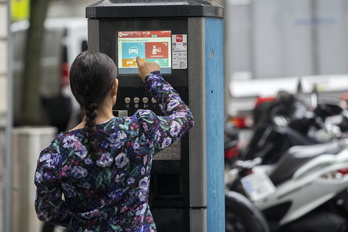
91	78
90	128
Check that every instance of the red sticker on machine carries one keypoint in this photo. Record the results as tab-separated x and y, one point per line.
179	48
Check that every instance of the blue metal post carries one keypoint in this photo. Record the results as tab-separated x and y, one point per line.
215	124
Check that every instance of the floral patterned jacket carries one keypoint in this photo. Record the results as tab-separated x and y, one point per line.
112	193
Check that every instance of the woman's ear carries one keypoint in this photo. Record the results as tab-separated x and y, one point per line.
114	87
113	92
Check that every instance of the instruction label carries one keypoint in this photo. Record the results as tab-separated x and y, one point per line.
179	54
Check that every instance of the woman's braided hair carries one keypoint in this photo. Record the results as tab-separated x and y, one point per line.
91	76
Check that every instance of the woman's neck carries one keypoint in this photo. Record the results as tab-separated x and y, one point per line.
104	114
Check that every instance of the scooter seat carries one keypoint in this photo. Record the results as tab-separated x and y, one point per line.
297	156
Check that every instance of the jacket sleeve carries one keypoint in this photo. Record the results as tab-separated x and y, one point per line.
49	205
177	120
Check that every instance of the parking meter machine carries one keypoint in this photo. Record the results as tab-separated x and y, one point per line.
186	39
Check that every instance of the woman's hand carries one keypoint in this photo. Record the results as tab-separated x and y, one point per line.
144	68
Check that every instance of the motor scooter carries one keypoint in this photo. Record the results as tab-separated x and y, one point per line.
303	187
285	122
306	190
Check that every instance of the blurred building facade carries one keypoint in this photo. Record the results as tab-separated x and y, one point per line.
3	98
68	8
3	56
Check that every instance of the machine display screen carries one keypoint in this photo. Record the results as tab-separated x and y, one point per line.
152	46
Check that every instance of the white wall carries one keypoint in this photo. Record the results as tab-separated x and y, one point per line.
3	57
280	38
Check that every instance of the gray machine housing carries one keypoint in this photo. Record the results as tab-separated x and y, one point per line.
178	195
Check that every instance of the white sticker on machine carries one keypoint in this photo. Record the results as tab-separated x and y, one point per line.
179	55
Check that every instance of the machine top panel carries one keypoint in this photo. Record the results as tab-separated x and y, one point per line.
113	9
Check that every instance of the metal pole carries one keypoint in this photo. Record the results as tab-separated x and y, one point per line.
9	119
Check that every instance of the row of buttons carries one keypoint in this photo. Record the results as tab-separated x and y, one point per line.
136	100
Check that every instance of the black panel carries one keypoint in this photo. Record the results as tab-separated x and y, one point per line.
171	220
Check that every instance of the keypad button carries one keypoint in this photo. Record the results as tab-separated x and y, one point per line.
127	100
145	100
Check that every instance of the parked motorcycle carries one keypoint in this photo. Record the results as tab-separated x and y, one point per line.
285	122
306	190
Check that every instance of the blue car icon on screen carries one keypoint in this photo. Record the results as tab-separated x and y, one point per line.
132	50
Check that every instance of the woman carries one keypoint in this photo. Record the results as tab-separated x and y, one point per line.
102	166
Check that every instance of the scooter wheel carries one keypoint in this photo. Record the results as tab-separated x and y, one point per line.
242	215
